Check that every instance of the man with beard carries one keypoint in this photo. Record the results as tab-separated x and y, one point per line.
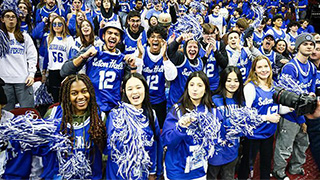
314	124
154	65
186	62
292	137
276	59
45	11
241	56
105	67
133	32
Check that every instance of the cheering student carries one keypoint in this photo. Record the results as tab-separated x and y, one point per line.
81	122
156	68
133	147
105	66
185	158
228	97
259	92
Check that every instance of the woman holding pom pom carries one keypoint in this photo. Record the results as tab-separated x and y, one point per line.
133	145
189	131
81	122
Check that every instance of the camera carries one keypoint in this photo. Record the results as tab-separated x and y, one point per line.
302	104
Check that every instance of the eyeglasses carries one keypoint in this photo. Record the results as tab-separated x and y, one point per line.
59	24
10	17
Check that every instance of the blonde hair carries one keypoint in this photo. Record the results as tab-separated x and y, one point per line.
64	32
253	76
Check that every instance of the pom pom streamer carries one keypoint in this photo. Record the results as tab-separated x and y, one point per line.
10	5
286	81
189	24
243	121
76	166
197	5
131	155
42	96
4	44
205	131
32	132
258	11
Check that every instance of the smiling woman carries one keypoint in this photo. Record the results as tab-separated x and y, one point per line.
134	150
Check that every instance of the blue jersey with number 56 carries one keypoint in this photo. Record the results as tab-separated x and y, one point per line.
106	71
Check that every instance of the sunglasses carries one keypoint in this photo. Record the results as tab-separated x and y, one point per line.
59	24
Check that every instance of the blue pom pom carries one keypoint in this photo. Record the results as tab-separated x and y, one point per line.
42	96
189	24
4	44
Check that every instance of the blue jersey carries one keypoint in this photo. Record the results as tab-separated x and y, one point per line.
153	71
263	102
124	6
278	36
227	150
243	63
257	38
82	145
130	44
181	161
272	57
178	84
318	82
114	17
106	71
45	12
303	74
125	136
211	69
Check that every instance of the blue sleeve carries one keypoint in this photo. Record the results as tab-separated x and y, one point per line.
156	152
224	22
149	14
206	20
310	28
46	55
72	25
159	150
38	16
172	133
290	70
38	31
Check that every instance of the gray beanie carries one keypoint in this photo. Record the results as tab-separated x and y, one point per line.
302	38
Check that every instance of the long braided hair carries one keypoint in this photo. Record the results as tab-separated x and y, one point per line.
97	130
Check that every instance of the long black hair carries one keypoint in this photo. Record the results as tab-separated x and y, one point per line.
146	105
238	96
185	100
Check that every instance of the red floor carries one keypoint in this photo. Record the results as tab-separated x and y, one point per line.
310	168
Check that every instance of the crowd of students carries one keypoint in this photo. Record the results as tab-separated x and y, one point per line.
134	88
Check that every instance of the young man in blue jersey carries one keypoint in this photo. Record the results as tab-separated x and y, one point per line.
292	33
186	62
314	124
156	68
276	30
292	137
241	56
277	60
216	19
105	67
44	12
133	32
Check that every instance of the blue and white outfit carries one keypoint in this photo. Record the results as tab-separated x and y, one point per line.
277	34
45	12
131	43
133	150
217	20
184	158
291	138
82	146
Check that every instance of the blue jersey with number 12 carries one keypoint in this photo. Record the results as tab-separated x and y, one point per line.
106	71
153	71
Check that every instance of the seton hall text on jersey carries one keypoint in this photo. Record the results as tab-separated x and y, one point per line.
185	72
58	47
113	64
266	101
156	69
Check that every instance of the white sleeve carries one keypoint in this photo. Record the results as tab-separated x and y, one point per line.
31	55
139	64
170	70
70	45
284	109
250	94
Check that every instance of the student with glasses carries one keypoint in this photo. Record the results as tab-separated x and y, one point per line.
17	68
59	45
